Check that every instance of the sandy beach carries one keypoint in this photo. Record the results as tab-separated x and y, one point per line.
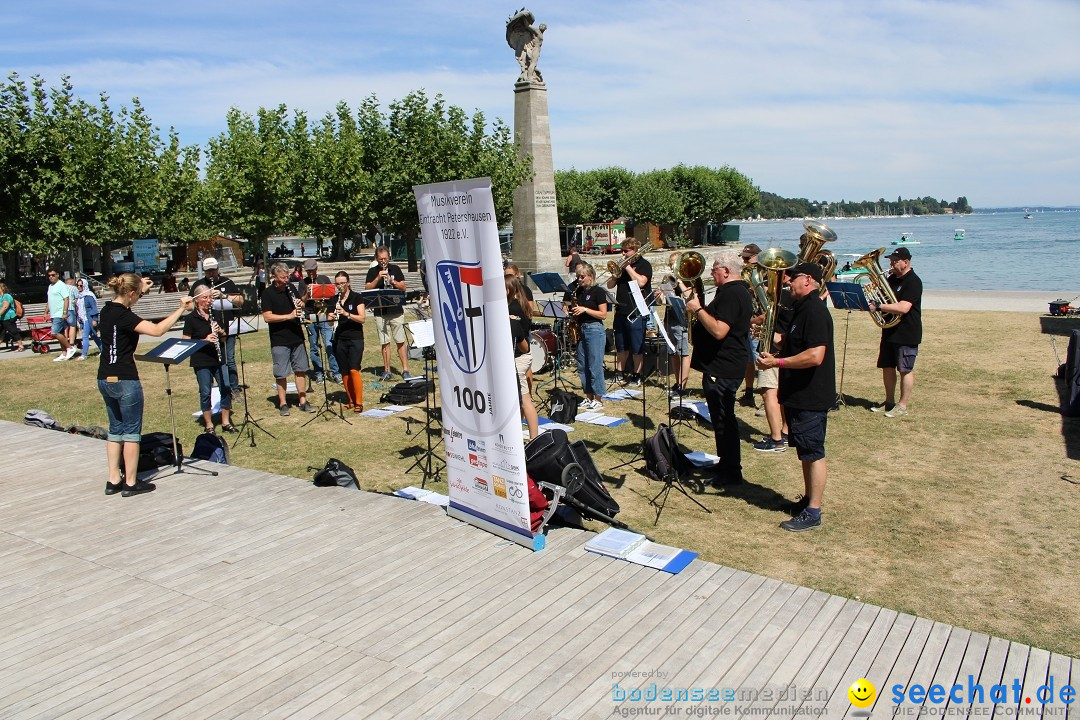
1014	301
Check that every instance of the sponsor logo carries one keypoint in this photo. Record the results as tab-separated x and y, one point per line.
476	445
461	304
451	432
451	455
500	486
507	466
477	462
459	486
480	483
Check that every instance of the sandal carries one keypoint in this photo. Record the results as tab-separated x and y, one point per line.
358	408
230	428
209	429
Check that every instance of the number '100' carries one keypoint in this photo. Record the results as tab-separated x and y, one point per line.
470	399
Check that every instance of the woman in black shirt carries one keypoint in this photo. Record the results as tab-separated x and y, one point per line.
589	310
209	362
520	326
118	378
349	340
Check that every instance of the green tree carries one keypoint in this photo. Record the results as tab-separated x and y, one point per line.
653	197
341	197
577	194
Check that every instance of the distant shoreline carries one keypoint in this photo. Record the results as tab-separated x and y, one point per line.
1004	300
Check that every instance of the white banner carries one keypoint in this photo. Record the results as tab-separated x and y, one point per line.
145	254
485	455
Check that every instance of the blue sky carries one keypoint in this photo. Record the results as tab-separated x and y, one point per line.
830	100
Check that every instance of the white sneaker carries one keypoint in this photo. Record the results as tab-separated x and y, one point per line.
584	404
61	357
71	352
596	405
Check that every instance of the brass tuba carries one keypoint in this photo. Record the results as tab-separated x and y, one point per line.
876	288
773	262
811	250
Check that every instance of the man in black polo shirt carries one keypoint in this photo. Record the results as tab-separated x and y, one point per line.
282	308
900	343
389	321
630	334
720	352
807	388
224	289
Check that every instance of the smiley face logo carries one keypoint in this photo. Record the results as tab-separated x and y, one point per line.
862	693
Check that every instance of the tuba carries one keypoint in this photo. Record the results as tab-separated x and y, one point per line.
811	250
876	288
767	281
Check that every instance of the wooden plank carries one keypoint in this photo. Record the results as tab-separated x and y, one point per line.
887	671
946	673
1035	675
989	674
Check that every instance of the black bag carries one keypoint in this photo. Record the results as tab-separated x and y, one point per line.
1070	400
336	474
549	453
409	392
209	446
663	459
156	450
563	408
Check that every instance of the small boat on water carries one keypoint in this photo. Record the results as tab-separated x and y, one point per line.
958	234
1029	216
906	239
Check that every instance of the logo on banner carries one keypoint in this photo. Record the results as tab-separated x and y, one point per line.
461	295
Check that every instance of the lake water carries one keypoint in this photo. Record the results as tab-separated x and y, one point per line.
1001	251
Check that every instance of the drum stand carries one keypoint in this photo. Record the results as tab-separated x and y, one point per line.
320	347
428	463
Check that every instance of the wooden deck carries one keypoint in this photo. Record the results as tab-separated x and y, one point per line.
259	596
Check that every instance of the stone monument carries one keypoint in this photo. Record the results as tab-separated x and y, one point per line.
536	220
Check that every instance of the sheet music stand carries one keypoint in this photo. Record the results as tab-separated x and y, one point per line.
548	282
173	352
846	296
240	327
423	335
381	300
322	295
554	309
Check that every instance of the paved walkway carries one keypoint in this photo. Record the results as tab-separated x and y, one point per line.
254	595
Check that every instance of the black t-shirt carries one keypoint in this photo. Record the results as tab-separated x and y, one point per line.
909	330
279	301
346	327
227	287
624	301
116	326
725	358
197	327
396	275
519	326
809	388
591	297
575	260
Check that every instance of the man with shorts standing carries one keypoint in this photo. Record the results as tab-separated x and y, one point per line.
720	352
807	388
900	343
282	309
630	334
389	321
59	302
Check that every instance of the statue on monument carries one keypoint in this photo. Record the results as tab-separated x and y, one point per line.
526	39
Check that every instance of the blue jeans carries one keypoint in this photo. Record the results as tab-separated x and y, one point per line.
230	362
325	329
204	376
89	331
720	396
124	406
590	359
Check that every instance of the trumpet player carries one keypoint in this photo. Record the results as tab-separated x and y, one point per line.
209	362
282	311
900	343
630	334
389	321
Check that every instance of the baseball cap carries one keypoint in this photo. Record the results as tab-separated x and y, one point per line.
209	264
811	269
311	264
751	250
900	254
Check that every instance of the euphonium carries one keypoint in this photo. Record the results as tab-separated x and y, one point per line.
876	288
810	250
615	268
774	262
690	266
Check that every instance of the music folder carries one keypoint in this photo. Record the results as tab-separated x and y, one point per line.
847	296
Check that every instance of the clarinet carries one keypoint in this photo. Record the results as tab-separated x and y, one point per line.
216	329
299	303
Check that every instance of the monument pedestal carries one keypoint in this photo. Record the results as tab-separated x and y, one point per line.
536	219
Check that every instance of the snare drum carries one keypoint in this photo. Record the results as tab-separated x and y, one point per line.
542	346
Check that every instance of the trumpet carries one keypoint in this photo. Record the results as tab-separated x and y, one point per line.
811	250
876	288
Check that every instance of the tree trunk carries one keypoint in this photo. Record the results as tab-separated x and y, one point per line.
410	244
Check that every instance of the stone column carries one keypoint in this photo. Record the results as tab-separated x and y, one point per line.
536	221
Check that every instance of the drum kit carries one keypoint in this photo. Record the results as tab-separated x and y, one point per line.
549	344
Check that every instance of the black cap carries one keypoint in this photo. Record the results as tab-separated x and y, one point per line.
900	253
811	269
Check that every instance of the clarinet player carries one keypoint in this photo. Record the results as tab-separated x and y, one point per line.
209	363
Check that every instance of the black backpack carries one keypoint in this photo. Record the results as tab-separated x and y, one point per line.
409	392
156	450
209	446
335	474
663	459
563	407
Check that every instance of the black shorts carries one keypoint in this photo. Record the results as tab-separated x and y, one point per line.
806	432
901	357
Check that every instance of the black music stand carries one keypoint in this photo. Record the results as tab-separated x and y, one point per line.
173	352
554	309
428	463
380	300
240	328
846	296
321	294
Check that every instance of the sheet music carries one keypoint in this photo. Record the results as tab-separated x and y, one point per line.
423	333
222	304
175	350
240	326
639	299
551	308
662	330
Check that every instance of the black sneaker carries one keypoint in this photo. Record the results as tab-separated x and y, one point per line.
747	400
770	445
111	489
140	487
306	407
802	522
722	480
283	411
